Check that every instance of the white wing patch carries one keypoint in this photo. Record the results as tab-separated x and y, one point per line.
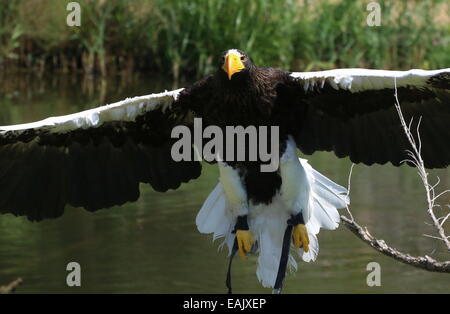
357	80
125	110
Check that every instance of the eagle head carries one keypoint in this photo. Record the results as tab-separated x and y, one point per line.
235	61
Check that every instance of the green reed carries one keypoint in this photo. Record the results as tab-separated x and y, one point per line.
184	37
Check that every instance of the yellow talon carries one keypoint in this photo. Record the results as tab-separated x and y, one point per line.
245	241
300	235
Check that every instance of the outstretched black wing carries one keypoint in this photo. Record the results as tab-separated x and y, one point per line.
352	112
93	159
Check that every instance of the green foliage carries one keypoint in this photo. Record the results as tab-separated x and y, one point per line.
191	33
9	32
184	37
43	22
337	35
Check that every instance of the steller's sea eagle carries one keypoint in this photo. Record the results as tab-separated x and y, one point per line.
97	158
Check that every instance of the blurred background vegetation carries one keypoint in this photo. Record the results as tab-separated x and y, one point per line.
184	37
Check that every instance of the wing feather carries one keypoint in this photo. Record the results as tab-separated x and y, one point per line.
351	112
93	159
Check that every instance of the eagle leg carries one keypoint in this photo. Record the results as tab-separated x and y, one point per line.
295	192
237	199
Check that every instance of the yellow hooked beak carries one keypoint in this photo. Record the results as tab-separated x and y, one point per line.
232	64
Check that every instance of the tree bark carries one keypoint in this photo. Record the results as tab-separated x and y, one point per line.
424	262
11	287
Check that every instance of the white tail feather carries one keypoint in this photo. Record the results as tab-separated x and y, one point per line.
268	224
213	217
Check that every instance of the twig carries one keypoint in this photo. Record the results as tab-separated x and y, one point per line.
417	160
348	190
11	287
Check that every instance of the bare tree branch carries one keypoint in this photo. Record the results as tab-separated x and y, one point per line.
424	262
11	287
418	162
